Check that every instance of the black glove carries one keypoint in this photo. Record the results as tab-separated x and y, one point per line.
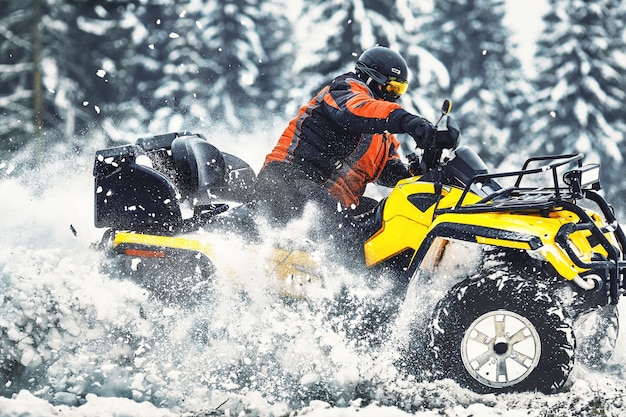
421	130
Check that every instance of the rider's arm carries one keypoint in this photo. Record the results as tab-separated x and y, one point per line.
350	104
394	169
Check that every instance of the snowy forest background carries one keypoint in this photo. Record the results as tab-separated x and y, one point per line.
72	71
79	75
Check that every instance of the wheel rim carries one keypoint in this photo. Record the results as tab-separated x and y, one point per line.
500	348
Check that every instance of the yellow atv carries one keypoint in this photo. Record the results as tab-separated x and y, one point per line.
551	250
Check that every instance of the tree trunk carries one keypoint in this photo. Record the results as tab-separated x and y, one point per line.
37	89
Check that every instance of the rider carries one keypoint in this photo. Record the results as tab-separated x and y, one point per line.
342	140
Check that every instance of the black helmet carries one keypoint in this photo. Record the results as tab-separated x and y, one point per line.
387	69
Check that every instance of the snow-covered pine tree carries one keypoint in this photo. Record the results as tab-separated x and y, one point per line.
61	70
580	84
327	37
486	83
221	62
17	53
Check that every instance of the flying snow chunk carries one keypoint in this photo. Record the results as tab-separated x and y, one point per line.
101	73
247	79
174	35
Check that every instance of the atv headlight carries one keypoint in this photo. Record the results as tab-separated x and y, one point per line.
582	178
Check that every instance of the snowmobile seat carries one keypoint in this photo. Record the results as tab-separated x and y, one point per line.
200	166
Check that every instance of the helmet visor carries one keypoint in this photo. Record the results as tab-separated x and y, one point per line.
396	87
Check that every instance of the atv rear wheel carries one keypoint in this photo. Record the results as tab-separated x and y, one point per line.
502	334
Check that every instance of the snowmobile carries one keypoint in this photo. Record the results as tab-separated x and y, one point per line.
552	251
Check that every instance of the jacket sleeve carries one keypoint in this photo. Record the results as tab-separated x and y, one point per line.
351	105
394	169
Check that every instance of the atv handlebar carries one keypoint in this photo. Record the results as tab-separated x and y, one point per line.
447	138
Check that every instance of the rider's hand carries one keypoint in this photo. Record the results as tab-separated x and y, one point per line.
415	168
421	130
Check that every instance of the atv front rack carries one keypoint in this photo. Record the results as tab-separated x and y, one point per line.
580	182
517	197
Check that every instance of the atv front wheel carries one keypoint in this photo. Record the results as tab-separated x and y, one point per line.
502	334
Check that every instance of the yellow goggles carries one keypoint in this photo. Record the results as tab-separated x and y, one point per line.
396	87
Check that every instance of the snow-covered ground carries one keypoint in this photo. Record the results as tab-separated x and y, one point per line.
89	344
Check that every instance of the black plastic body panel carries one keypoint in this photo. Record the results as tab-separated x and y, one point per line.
132	196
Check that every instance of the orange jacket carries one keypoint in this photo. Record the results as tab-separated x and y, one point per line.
343	138
375	159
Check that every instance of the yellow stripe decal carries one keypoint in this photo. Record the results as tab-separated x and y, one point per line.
162	242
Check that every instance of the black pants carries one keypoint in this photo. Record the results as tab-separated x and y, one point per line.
283	191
